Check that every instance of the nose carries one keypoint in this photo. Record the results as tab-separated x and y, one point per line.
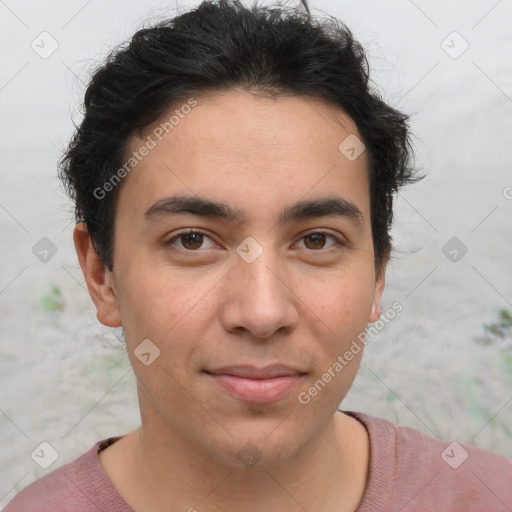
259	298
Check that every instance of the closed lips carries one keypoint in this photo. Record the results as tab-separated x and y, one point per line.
251	372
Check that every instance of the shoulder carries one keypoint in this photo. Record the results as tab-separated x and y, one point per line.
80	485
416	449
456	472
426	473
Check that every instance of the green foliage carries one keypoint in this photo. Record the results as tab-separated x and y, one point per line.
51	299
503	327
501	330
505	360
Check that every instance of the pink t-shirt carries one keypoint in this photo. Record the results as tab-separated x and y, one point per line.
408	472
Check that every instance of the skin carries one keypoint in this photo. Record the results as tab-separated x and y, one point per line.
296	304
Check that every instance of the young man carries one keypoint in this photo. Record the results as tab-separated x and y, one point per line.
233	179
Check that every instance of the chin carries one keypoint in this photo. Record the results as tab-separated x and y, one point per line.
256	446
256	454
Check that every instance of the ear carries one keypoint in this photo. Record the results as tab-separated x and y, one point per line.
100	281
380	281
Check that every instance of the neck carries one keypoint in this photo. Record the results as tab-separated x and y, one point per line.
155	468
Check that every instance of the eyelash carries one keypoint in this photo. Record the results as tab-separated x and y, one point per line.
338	242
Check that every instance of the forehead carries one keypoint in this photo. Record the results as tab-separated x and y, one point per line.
252	150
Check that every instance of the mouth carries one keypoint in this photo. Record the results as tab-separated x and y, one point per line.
256	385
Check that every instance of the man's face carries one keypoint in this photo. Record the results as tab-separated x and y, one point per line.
236	297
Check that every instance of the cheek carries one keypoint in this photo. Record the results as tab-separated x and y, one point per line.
154	300
170	310
344	309
343	302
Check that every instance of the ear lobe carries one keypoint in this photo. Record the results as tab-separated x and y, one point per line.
375	312
100	281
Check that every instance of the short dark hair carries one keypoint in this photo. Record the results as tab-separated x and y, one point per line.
215	47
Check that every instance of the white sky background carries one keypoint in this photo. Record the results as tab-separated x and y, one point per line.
462	110
462	113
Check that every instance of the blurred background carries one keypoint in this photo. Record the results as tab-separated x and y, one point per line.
443	365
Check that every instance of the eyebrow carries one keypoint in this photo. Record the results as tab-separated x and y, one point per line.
195	205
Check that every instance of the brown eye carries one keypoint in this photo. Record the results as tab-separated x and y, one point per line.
192	241
317	241
189	241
